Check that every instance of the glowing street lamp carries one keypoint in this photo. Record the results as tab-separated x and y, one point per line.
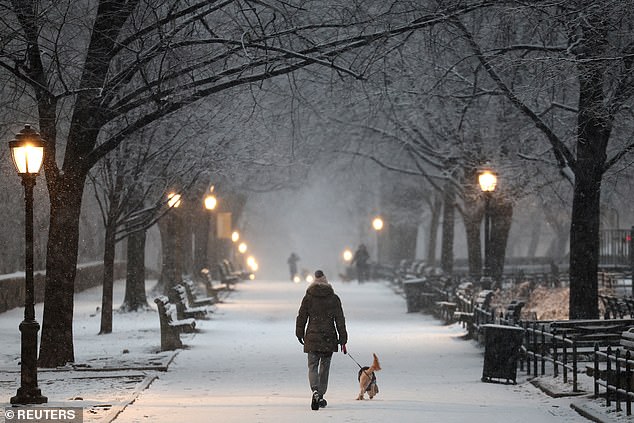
347	255
27	152
173	200
211	202
252	263
377	223
235	236
487	179
242	248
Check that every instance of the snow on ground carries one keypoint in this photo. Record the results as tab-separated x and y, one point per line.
245	365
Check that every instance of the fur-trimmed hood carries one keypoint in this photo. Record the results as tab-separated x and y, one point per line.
320	288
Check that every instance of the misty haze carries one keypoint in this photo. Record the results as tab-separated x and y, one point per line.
271	211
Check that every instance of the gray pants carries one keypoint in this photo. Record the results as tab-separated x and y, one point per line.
318	370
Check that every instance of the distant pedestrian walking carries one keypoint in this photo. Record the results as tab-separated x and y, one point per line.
292	265
361	259
326	330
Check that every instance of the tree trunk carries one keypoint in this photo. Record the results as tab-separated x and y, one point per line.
186	239
502	217
201	242
434	224
171	258
108	277
56	346
472	223
584	228
135	298
593	132
584	243
448	221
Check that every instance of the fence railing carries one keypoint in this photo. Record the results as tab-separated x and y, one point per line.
617	380
615	248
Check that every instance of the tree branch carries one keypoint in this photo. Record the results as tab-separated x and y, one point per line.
563	155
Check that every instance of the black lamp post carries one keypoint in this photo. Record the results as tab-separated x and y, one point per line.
487	179
27	151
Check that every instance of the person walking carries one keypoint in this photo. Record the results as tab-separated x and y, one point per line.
292	265
321	309
361	258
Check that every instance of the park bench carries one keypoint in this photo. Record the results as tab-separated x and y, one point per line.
446	303
219	292
396	279
413	288
178	297
171	327
400	271
194	299
435	288
225	275
617	307
513	312
241	273
410	270
475	313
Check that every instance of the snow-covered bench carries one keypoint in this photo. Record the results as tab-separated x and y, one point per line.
171	327
213	290
226	276
475	313
194	299
178	296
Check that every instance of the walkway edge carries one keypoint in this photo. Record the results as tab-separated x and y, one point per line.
143	385
590	414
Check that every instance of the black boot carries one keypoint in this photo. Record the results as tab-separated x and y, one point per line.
314	403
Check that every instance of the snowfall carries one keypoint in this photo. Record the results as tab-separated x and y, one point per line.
245	365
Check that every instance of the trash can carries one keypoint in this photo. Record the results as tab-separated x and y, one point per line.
501	352
413	288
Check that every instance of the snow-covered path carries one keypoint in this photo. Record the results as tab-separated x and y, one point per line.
247	366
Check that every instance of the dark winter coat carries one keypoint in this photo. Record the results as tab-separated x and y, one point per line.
321	308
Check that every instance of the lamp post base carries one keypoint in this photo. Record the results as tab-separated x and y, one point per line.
29	396
28	392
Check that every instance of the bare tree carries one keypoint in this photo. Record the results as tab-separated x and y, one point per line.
130	188
594	42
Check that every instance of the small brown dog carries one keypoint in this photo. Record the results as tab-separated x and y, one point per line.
367	379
